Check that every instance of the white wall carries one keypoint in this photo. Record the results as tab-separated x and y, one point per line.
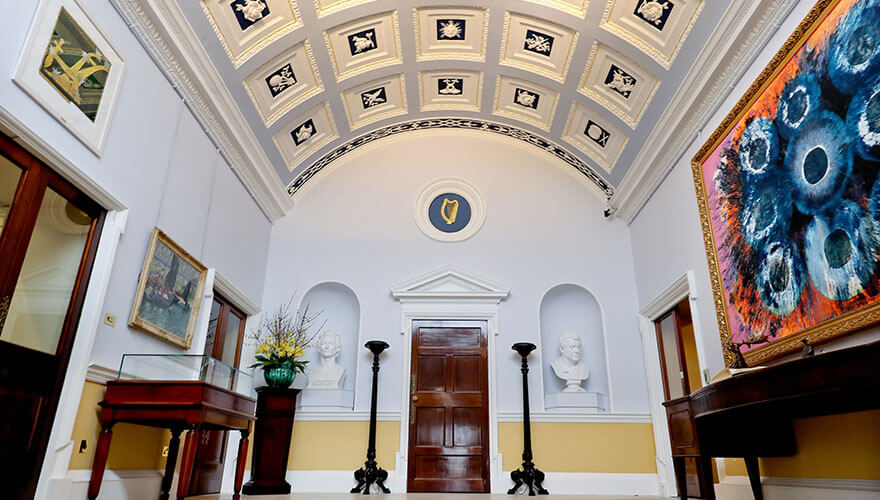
160	164
356	226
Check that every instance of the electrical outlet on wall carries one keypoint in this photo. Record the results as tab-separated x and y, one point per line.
110	319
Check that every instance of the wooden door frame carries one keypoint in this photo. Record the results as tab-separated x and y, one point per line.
483	325
683	287
447	311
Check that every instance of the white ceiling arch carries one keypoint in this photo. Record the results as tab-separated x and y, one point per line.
286	86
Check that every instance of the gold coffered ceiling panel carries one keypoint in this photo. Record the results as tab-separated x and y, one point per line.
247	26
284	82
450	89
305	134
617	83
364	44
537	45
657	27
457	33
525	101
375	100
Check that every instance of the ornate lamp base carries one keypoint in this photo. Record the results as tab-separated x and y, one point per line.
370	473
529	476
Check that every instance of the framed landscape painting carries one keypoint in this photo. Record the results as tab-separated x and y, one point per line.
789	193
71	69
169	292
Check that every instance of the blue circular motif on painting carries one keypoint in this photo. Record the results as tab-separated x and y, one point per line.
758	150
819	161
874	212
839	250
449	212
854	54
863	121
799	98
766	210
780	277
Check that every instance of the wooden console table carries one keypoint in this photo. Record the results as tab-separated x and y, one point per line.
179	406
750	415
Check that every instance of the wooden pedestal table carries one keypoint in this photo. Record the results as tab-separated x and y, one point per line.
272	432
179	406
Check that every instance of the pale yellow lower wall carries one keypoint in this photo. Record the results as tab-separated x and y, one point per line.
341	445
581	447
133	447
843	446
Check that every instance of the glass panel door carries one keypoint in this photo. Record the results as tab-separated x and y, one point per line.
47	247
48	275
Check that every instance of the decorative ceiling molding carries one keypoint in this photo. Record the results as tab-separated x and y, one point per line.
744	30
454	123
177	51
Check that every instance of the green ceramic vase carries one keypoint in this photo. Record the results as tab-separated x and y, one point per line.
280	376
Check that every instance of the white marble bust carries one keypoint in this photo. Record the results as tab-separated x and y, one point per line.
327	374
568	366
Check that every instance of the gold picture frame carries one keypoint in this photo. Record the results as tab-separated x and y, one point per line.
169	292
775	282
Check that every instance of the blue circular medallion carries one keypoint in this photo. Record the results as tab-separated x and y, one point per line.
449	212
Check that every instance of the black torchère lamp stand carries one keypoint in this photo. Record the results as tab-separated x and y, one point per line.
528	475
371	472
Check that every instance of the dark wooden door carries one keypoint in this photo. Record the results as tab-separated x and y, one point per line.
449	408
47	248
225	334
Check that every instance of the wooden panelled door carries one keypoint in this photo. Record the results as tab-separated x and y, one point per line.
681	374
449	408
225	335
48	239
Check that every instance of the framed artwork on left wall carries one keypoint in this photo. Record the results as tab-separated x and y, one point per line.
71	69
169	292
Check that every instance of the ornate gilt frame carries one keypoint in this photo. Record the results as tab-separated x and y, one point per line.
818	333
135	321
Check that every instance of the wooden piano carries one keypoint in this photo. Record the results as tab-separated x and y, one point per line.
751	414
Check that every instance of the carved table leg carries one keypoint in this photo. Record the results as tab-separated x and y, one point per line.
680	476
706	477
186	462
754	477
170	462
239	466
100	463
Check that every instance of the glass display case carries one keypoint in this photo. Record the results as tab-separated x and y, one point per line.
194	367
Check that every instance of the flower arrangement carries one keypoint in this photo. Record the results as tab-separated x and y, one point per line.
281	342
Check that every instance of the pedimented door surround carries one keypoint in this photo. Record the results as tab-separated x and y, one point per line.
448	293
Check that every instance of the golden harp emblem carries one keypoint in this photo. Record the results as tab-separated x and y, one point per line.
449	210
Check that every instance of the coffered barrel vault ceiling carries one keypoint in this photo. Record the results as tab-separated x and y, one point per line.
310	80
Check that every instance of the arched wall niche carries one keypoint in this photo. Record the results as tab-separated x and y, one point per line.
341	309
570	307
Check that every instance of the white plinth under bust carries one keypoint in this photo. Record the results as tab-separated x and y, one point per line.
325	400
562	402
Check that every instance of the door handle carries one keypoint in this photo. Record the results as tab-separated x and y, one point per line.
415	398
